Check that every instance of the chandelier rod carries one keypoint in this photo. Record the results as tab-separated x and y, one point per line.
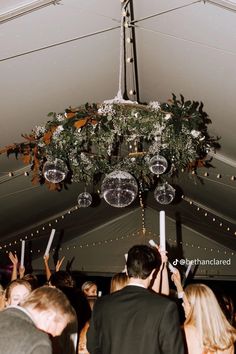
127	16
135	62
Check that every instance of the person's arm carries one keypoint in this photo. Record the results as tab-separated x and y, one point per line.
161	282
14	260
47	269
165	288
21	271
59	263
176	278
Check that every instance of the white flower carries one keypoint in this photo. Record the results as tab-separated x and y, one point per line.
58	131
154	105
195	133
167	116
39	130
106	109
157	138
60	117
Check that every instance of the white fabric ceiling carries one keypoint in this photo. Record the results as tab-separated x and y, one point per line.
68	54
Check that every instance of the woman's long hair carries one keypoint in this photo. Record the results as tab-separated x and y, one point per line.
215	332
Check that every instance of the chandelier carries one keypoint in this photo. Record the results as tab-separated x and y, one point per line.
120	145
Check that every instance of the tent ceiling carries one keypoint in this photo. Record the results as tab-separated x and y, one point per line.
68	54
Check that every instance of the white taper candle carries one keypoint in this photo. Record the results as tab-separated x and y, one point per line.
22	258
50	242
188	269
162	231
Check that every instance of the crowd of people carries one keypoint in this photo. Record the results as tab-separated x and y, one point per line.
140	314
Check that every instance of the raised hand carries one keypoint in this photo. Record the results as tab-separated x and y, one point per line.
13	258
59	264
46	258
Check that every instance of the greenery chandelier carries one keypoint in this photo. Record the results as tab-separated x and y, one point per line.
89	142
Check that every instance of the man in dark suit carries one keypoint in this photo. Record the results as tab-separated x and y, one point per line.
135	320
23	329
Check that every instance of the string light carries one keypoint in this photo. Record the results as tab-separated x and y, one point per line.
143	231
24	172
132	92
206	213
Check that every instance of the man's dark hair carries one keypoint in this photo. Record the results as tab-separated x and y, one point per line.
141	261
62	279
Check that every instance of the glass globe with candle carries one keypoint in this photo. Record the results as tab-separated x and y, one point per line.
119	189
55	171
164	193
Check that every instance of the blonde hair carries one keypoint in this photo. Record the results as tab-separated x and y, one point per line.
118	281
87	285
215	332
13	284
46	298
1	290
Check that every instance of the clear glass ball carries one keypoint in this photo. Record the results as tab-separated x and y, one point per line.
55	171
164	193
84	200
119	189
158	164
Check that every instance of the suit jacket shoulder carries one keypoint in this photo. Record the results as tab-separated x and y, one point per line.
19	335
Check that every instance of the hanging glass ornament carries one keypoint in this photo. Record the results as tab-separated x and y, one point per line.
158	164
119	189
164	193
84	200
55	171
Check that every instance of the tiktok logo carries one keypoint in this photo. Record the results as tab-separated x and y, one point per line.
175	262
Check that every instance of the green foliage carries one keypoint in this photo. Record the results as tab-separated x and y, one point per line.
95	139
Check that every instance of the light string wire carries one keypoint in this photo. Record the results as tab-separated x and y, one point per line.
139	232
49	224
232	178
165	12
213	213
186	40
91	34
88	35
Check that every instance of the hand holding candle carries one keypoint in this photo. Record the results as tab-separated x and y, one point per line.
50	242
